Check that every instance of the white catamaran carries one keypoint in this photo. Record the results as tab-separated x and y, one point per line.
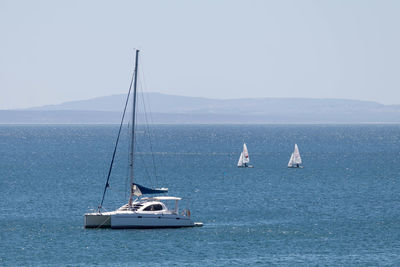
295	159
244	159
139	212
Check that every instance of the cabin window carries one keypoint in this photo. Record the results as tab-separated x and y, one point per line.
158	207
154	207
149	208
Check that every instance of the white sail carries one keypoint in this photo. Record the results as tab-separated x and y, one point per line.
240	162
296	155
290	164
245	153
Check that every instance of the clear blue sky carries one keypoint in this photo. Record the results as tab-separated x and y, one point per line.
57	51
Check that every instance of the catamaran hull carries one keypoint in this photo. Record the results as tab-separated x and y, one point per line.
126	221
97	220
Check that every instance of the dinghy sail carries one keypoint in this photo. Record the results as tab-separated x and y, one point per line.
240	162
244	158
295	158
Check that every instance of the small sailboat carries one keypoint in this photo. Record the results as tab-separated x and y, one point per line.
295	159
244	159
139	212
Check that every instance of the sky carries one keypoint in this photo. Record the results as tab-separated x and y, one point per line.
57	51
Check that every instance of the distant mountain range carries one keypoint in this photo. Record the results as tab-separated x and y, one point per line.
181	109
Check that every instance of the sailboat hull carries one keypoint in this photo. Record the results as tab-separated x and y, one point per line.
147	221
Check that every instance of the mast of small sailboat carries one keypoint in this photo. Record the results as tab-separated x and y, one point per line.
132	148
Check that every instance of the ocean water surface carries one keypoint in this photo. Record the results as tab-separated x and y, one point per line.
341	209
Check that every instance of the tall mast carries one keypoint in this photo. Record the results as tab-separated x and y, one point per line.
132	150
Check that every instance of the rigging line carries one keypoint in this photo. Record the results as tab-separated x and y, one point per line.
146	134
116	143
147	124
141	157
150	142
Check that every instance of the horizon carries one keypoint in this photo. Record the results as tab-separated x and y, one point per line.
209	98
174	109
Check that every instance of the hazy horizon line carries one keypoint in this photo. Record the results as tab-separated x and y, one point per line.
204	97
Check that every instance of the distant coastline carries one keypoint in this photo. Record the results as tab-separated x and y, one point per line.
171	109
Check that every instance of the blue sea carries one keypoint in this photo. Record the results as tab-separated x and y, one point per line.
342	208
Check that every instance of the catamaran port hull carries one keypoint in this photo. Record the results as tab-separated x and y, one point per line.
97	221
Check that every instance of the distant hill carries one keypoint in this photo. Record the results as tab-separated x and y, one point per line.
181	109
